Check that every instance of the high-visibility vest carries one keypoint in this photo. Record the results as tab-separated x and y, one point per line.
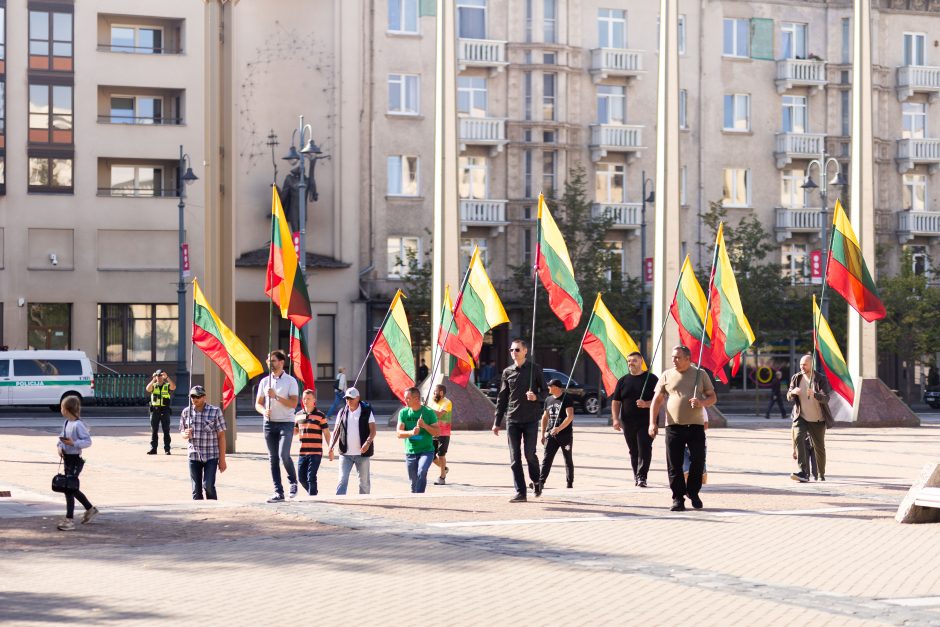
160	396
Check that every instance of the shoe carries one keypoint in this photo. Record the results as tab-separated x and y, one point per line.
67	524
89	515
538	488
293	490
641	483
570	484
276	498
767	417
440	481
519	498
636	482
677	506
152	451
697	502
815	477
821	478
799	476
167	451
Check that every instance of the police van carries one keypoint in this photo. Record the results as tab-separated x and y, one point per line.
44	377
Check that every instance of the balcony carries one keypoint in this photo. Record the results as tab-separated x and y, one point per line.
482	132
481	53
615	138
607	62
625	215
485	213
800	73
918	151
792	146
913	224
792	221
914	79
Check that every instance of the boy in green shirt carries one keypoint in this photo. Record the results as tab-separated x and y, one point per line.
417	425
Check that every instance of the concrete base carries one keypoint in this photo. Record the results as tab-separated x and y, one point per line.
716	419
877	406
910	513
472	409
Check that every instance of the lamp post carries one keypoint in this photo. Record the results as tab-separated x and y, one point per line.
838	180
648	197
182	180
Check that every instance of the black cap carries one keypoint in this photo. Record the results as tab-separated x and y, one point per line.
556	383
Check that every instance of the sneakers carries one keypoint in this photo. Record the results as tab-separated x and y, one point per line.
822	478
441	481
538	488
67	524
519	498
677	506
641	483
697	502
167	451
276	498
293	490
570	484
152	451
89	515
799	476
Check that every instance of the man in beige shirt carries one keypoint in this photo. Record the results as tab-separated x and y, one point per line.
810	396
686	390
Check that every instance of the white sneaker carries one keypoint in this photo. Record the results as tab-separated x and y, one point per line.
89	515
67	524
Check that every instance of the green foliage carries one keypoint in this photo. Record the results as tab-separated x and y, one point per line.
911	328
417	283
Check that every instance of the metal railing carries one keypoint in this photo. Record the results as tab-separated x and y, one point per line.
146	121
126	192
138	49
616	60
624	215
121	390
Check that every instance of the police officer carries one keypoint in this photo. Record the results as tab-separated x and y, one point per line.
160	389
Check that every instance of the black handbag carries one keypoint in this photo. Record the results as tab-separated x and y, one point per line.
65	483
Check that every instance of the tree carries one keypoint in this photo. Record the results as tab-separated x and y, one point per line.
416	284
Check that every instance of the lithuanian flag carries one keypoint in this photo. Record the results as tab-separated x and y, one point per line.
732	333
837	371
555	270
478	308
688	309
846	271
608	344
223	347
300	359
392	349
284	281
448	339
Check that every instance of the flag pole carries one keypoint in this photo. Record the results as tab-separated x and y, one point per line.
192	350
267	402
438	355
581	345
822	296
372	344
662	331
290	355
535	282
708	310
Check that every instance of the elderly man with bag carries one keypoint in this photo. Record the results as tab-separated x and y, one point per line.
809	393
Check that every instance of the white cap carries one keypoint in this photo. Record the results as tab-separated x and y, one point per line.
352	393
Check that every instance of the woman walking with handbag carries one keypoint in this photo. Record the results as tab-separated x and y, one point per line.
73	438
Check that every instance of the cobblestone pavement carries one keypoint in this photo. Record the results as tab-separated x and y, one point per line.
764	551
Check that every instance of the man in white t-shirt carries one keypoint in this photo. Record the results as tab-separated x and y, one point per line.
354	432
277	402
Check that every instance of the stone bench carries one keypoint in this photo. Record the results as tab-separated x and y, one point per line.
922	503
928	497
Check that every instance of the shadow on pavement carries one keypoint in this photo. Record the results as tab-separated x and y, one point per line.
55	607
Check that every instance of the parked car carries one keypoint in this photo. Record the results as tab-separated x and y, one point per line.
932	397
587	399
44	377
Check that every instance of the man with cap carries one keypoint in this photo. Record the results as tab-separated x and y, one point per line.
354	432
557	418
159	389
277	401
203	426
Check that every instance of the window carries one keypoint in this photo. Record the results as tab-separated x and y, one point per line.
793	41
45	367
136	110
548	96
737	112
614	260
400	250
141	181
549	21
526	244
472	183
914	46
548	137
609	183
467	244
683	185
527	174
794	114
795	263
549	58
792	194
403	94
471	19
49	174
736	35
681	34
3	43
402	176
611	104
914	192
914	115
846	40
736	190
611	28
326	346
137	39
50	114
471	95
49	326
528	21
403	16
845	100
527	95
50	40
137	333
920	261
549	171
683	108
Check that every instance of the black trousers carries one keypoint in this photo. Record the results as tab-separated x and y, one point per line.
778	400
73	467
640	445
160	417
523	439
562	441
678	437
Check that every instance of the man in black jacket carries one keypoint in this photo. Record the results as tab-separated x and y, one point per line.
809	393
521	391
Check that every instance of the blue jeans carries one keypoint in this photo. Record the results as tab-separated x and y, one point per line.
418	464
338	400
307	467
278	436
202	475
346	463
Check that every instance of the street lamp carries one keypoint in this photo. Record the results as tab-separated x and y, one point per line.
648	197
838	180
183	179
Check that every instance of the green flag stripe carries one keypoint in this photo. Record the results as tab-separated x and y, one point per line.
690	319
616	361
400	346
835	363
474	309
736	339
847	253
204	320
560	274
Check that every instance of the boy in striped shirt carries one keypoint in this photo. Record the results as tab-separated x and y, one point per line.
314	431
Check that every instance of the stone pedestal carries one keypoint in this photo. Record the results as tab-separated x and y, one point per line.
473	411
716	419
877	406
910	513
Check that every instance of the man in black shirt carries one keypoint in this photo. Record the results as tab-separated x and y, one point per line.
557	418
629	408
521	388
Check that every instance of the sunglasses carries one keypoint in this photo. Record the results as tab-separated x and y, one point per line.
515	350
